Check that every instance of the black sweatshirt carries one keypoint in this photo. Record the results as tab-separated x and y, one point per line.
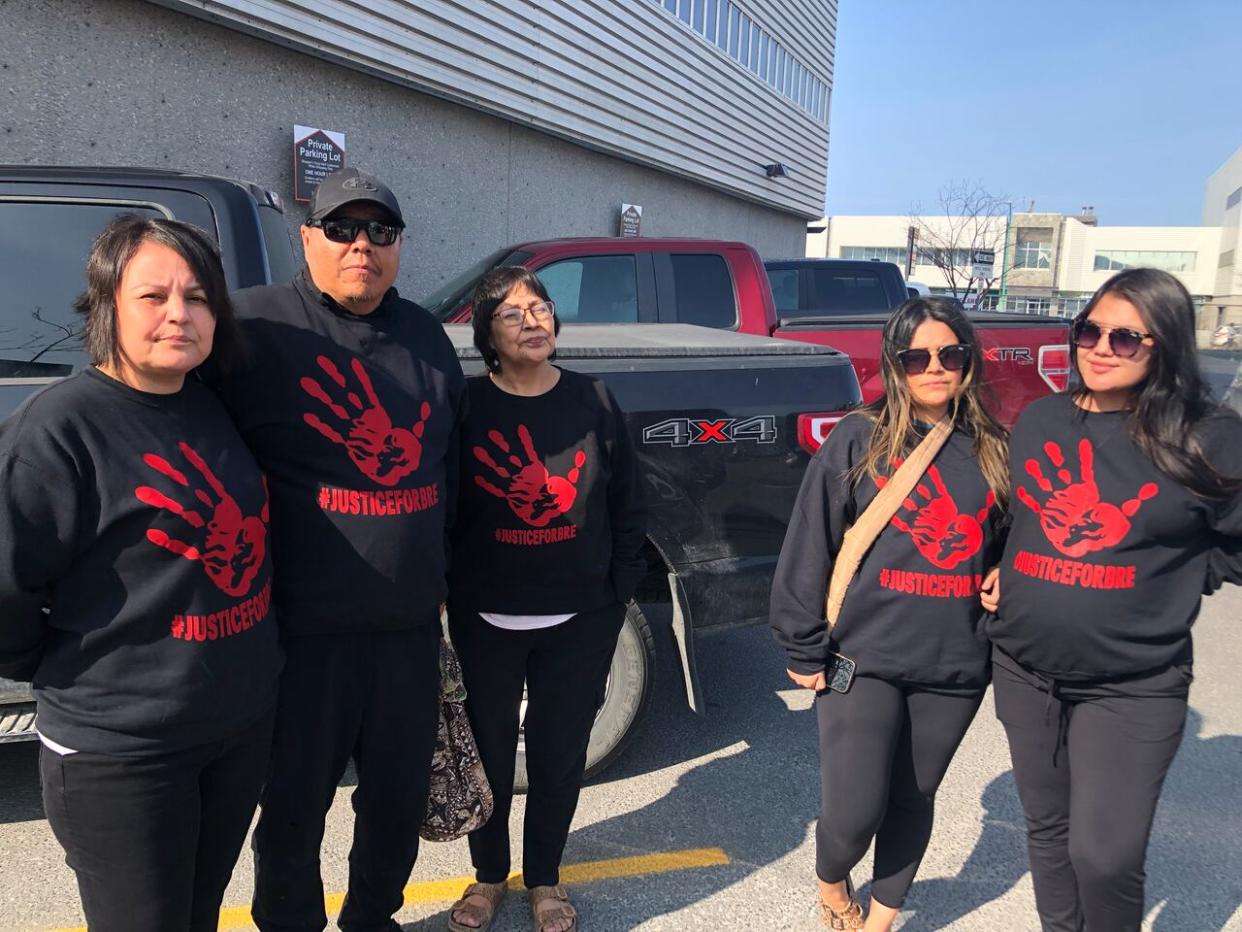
354	420
1107	556
550	515
912	612
141	521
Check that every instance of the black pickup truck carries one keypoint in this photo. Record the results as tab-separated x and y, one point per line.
724	422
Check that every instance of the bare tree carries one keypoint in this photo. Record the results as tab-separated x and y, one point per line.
37	345
970	219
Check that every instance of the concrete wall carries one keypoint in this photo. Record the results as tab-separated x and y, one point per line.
125	82
620	76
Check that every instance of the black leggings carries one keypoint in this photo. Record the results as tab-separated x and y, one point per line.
153	839
884	748
565	669
1101	753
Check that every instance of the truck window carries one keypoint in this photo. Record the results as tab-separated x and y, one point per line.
704	290
784	284
848	291
280	260
43	248
593	289
453	295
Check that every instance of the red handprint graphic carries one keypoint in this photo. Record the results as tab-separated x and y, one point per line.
1074	519
235	544
381	451
941	533
533	495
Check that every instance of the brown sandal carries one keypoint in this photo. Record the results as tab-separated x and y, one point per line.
549	904
478	901
849	918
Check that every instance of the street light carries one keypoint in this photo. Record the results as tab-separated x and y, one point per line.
1005	256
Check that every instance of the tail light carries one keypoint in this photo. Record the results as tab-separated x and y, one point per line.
813	429
1054	366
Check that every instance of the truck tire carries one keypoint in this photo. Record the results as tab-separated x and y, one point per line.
626	698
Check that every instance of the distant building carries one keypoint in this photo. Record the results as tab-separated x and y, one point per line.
1053	263
1222	207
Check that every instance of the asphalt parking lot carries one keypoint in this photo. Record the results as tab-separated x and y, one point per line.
707	823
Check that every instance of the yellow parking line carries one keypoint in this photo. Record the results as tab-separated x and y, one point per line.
443	891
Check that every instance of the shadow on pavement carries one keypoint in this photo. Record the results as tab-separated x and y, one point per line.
996	864
1194	861
20	800
1194	864
756	802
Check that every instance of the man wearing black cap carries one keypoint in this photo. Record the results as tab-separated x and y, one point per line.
351	402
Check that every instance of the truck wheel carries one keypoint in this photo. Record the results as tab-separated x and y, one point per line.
626	697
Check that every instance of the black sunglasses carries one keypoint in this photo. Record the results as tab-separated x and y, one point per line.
346	230
955	357
1123	341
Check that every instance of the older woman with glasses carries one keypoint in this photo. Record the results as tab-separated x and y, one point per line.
550	522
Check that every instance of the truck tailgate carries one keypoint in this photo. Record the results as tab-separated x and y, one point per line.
1027	357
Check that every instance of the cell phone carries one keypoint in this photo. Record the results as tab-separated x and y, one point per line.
839	673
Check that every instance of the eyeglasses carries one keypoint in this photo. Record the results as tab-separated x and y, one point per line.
346	230
512	316
955	357
1123	341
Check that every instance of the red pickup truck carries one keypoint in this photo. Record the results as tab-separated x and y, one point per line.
833	302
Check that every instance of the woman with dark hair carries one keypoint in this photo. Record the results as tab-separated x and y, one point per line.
911	619
135	586
1129	510
546	556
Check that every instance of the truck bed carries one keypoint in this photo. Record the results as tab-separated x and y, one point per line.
662	341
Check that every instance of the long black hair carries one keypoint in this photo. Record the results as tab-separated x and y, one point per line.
894	435
1169	406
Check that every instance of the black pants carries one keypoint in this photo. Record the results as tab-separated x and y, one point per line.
565	669
153	839
1089	762
372	698
884	748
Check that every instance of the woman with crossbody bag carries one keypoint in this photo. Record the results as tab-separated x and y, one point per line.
918	479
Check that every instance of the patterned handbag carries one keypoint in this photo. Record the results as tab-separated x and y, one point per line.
460	799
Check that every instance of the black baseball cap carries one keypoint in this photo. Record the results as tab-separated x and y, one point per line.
348	186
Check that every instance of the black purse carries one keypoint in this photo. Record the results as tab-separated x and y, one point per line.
459	800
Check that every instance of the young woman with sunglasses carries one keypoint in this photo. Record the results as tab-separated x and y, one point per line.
1128	508
911	619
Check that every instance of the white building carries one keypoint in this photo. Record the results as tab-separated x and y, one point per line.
1046	263
1222	207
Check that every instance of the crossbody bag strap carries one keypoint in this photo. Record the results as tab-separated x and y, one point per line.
860	536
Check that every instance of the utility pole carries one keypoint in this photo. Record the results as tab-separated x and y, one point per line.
1005	256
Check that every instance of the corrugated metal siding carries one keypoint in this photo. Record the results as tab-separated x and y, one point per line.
621	76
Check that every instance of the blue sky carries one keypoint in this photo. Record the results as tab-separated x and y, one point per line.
1127	106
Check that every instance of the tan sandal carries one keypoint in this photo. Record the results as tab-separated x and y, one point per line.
550	904
849	918
478	901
